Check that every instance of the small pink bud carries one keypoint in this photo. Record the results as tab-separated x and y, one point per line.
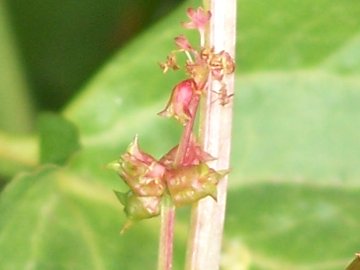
199	18
183	43
141	172
180	101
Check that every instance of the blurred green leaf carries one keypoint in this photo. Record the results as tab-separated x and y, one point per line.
293	226
65	42
59	138
16	111
294	182
297	126
51	220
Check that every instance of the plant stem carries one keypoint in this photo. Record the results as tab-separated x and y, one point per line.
166	234
17	154
185	138
165	257
207	220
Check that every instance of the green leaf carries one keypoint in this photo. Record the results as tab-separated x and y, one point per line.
58	138
293	226
296	122
69	41
53	220
297	126
16	112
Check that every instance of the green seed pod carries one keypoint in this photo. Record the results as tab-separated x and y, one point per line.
137	208
187	185
141	172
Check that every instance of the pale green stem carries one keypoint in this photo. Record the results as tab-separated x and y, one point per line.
207	220
17	153
188	55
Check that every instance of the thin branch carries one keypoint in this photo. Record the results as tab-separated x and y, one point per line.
205	237
168	211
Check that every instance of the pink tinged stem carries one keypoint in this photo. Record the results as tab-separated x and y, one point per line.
167	207
185	138
166	234
207	220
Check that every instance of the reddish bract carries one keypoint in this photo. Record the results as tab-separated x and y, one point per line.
194	155
180	101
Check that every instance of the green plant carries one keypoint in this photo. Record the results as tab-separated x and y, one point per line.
293	188
182	176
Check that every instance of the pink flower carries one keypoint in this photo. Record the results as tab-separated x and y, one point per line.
141	172
179	105
198	19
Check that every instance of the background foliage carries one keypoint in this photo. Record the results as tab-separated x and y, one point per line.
294	187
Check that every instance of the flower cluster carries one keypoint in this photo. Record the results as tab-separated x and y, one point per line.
183	173
148	179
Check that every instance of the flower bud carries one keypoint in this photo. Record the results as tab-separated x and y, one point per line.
180	101
183	43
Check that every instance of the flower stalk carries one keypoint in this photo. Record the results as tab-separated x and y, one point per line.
168	210
167	222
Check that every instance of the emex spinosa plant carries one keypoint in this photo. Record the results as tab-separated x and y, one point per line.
181	177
